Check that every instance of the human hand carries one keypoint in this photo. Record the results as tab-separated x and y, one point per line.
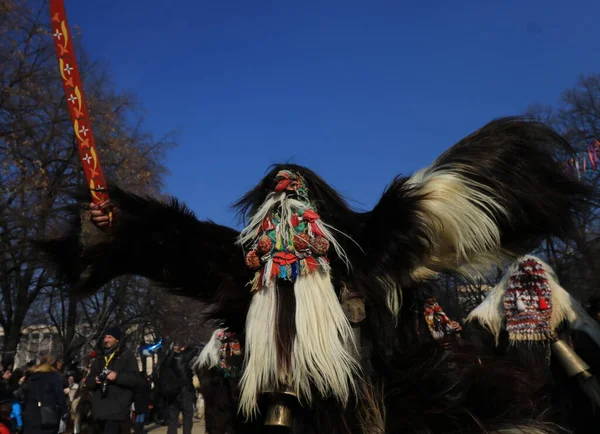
102	215
98	380
112	376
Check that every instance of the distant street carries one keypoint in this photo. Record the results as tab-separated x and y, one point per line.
159	429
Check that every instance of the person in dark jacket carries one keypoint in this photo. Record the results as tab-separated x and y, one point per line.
158	412
177	385
5	423
112	380
43	388
141	402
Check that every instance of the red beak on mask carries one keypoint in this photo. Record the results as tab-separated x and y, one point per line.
282	185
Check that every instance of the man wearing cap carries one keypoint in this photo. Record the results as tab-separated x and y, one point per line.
112	380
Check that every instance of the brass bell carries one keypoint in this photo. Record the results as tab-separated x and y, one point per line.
280	412
568	358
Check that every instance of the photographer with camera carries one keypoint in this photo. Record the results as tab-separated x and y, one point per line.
112	381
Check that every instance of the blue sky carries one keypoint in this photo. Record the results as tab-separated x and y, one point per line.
359	91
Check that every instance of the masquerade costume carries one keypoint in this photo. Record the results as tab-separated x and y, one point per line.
437	321
535	321
317	294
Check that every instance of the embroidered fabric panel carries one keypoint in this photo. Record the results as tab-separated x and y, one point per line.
528	303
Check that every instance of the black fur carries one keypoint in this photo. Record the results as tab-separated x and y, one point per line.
515	160
163	242
454	389
572	408
220	403
429	389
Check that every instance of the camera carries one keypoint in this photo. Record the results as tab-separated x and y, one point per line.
102	376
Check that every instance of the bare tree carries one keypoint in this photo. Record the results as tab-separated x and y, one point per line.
459	295
38	156
577	117
179	318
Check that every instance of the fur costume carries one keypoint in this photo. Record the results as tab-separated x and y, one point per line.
532	318
278	283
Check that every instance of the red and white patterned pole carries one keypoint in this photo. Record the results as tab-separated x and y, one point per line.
71	79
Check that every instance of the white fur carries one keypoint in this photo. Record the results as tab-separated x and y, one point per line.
457	213
324	343
252	230
323	340
490	313
209	356
322	349
393	295
260	368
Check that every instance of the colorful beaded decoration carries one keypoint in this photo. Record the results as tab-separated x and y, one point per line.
287	249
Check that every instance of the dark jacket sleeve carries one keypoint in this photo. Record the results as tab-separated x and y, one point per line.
21	392
129	376
142	397
190	353
61	398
